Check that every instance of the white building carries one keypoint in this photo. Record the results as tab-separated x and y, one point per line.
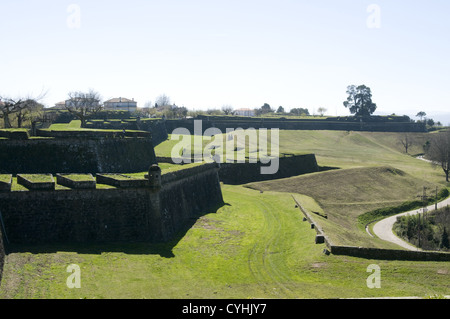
120	104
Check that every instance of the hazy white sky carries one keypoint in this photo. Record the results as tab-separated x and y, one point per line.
204	54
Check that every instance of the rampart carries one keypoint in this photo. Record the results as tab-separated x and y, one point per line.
242	173
222	123
156	128
76	155
145	213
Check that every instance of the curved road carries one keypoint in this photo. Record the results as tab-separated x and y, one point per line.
383	228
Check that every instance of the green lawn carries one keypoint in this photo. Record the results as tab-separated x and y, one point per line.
256	246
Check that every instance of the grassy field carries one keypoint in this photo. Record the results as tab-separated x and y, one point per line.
256	246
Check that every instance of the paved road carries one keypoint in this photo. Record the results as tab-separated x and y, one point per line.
383	228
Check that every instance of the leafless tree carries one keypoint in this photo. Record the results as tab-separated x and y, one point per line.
83	104
19	106
439	151
162	100
227	109
407	141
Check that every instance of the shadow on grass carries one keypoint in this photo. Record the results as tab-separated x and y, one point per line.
164	249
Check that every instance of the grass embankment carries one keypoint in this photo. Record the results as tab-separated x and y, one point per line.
346	194
256	246
362	149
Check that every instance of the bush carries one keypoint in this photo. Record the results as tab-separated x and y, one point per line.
381	213
427	231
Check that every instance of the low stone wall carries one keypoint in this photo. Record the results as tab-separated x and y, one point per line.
389	254
371	253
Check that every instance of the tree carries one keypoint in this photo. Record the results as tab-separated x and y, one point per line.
227	109
263	109
407	141
299	111
32	109
280	110
83	104
321	110
439	151
266	109
421	114
359	100
162	100
9	106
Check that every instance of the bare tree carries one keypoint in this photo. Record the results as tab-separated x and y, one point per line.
33	109
162	100
439	151
83	104
227	109
407	141
20	106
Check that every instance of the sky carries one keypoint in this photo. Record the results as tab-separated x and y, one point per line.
243	53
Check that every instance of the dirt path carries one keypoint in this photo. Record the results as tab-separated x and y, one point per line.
383	228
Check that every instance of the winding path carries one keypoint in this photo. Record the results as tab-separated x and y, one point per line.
383	228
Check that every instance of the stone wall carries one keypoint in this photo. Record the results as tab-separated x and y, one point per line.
110	215
76	155
242	173
295	124
2	254
389	254
371	253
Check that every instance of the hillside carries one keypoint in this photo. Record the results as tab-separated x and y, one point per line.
345	194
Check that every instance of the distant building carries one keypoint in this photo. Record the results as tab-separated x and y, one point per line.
59	105
121	104
244	112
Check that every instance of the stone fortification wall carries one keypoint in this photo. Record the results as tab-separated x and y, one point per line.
242	173
110	215
295	124
156	128
76	155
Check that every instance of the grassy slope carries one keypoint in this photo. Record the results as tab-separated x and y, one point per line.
360	149
347	193
254	247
